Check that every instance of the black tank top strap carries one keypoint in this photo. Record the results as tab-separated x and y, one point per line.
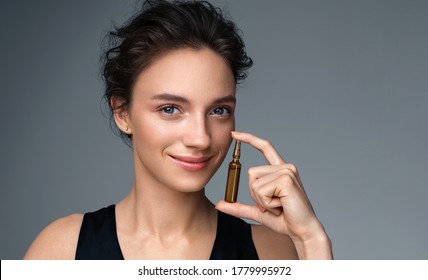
98	237
234	240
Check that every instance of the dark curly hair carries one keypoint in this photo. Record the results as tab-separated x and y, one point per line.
162	26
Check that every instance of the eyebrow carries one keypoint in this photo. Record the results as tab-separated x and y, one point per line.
226	99
170	97
180	99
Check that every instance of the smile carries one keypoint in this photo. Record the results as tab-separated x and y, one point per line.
192	163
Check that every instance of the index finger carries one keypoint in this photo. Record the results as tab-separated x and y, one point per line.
264	146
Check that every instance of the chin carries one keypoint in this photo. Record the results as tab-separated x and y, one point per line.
189	184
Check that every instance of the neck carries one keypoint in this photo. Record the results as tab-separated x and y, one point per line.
159	211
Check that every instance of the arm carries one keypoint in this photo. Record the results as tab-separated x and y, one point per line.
281	203
58	241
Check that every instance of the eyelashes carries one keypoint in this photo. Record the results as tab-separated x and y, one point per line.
172	110
169	110
221	111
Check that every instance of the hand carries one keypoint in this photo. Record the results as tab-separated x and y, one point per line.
281	200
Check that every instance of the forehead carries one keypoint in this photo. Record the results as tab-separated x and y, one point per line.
188	72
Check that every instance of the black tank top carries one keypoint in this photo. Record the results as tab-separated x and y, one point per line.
98	238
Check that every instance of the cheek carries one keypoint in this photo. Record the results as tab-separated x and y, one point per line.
147	130
221	135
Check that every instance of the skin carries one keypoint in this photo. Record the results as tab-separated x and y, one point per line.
181	118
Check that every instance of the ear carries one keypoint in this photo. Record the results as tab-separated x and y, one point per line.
121	114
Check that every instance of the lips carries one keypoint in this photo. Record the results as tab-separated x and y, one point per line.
192	163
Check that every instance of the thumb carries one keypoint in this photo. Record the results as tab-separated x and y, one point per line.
240	210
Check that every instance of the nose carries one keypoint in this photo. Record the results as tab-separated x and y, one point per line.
196	134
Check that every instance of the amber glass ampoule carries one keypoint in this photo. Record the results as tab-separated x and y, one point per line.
232	184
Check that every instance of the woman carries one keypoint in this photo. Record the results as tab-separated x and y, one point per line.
171	78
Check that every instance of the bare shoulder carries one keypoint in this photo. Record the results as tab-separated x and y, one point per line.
271	245
58	240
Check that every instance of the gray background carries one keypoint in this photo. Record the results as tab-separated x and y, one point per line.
339	87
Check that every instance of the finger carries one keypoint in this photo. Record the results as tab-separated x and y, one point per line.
258	189
240	210
276	211
272	205
255	199
269	195
255	173
275	207
253	196
264	146
274	190
268	190
249	212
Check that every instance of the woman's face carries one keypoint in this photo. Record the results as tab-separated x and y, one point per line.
181	115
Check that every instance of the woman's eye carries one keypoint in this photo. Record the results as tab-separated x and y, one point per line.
169	110
220	111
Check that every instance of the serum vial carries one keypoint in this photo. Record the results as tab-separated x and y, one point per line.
233	174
